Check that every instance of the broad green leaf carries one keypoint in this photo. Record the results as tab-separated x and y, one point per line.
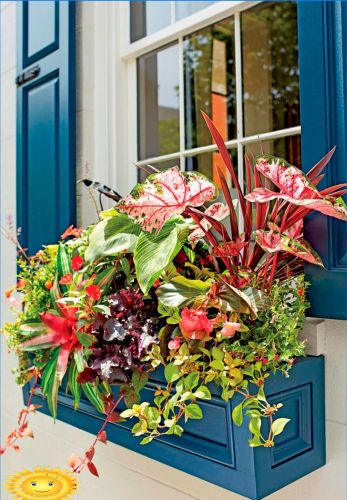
86	339
237	414
171	373
182	291
74	386
154	252
50	382
33	327
193	411
278	425
111	236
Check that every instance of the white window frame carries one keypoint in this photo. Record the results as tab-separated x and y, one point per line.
175	32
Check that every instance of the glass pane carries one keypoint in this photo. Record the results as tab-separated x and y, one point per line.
147	18
288	148
184	9
209	67
158	103
206	163
270	68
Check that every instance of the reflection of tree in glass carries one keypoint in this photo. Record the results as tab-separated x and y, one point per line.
270	67
198	53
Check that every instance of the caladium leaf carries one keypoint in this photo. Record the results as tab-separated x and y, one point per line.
295	187
165	194
218	211
273	241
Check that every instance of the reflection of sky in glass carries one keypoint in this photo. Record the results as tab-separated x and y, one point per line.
184	9
168	77
158	15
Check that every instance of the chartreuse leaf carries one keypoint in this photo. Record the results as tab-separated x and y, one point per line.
278	425
111	236
255	425
193	411
191	381
171	373
154	252
202	392
237	415
181	291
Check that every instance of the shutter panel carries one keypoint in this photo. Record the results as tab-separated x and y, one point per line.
323	80
46	177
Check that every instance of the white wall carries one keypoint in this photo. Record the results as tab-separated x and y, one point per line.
124	474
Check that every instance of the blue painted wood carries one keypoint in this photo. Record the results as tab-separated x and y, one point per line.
46	139
323	80
216	450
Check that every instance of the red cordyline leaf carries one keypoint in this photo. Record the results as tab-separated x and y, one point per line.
217	211
320	166
165	194
233	248
295	188
92	469
230	203
273	241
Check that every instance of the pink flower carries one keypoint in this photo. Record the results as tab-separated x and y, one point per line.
174	343
195	324
229	329
93	292
76	262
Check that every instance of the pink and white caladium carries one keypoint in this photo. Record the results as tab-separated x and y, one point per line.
296	188
218	211
274	241
165	194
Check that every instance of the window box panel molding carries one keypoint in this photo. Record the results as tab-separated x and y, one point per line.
216	450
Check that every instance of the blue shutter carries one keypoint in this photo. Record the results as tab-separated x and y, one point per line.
323	81
45	121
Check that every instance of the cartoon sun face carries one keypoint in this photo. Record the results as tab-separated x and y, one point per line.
44	483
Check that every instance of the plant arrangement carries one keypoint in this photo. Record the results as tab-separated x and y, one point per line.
167	279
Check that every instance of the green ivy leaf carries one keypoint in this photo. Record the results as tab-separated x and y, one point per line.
191	381
202	392
255	425
217	364
217	353
171	373
139	379
193	411
86	339
237	414
278	425
147	440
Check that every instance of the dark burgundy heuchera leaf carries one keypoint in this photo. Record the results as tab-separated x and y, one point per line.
123	338
295	187
273	241
165	194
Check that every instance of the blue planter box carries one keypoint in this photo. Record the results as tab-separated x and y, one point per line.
216	450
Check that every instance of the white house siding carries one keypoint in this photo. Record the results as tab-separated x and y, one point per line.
124	474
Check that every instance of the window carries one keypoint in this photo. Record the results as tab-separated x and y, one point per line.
239	65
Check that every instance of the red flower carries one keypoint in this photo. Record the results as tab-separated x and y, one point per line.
174	343
21	284
264	361
48	285
66	279
195	324
93	292
71	231
8	293
301	292
76	262
61	332
229	329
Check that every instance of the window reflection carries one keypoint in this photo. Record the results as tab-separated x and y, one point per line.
158	103
206	163
288	148
209	67
147	18
270	68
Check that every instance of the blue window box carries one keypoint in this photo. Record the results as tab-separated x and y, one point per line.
216	450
